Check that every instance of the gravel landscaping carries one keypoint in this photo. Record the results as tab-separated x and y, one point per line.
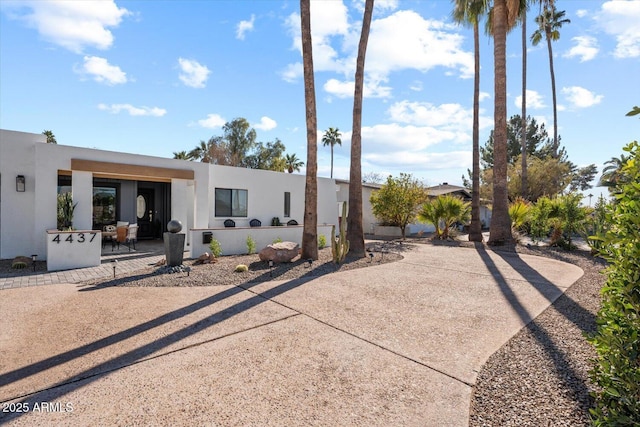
222	272
540	377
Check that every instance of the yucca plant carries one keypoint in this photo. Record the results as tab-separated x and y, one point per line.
519	212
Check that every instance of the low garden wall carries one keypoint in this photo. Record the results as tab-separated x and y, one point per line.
73	249
233	240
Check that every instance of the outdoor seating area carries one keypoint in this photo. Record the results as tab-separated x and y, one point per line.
122	232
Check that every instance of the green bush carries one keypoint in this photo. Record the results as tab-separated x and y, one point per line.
216	249
277	240
241	268
617	339
539	218
322	241
251	245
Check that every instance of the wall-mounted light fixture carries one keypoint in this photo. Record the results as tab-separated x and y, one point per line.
20	184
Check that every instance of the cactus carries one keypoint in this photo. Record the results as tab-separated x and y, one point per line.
340	244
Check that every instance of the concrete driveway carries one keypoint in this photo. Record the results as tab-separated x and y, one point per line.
393	344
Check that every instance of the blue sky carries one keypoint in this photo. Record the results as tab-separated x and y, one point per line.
154	77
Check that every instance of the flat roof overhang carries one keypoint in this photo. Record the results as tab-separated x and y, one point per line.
130	172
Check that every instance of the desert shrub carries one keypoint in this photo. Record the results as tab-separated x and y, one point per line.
322	241
597	225
19	265
277	240
539	218
617	339
519	214
241	268
216	249
251	245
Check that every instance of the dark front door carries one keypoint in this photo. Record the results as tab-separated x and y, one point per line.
144	211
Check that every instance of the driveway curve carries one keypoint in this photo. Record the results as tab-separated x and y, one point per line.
393	344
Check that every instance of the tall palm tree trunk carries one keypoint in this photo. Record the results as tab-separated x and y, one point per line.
475	230
355	230
524	185
331	161
500	232
553	94
310	228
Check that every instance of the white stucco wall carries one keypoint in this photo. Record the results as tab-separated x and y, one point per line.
266	195
17	210
368	219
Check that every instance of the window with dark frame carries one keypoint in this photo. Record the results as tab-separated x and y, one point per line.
287	204
230	202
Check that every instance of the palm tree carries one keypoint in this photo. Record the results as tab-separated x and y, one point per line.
445	211
310	229
331	137
612	174
51	138
355	230
293	163
469	12
181	155
549	23
523	142
200	152
504	15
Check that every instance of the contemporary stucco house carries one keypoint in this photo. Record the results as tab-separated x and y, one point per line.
110	186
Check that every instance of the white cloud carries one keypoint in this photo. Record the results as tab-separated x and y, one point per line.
581	97
534	100
133	111
213	121
193	74
292	72
416	86
620	19
421	161
581	13
244	27
101	71
329	19
266	123
446	116
345	89
586	48
73	25
405	40
484	95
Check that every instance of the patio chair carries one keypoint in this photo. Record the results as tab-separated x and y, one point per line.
108	233
229	223
121	236
132	236
255	223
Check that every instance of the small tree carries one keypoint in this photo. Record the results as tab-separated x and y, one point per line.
397	201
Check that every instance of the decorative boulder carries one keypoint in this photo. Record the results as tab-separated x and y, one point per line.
205	258
279	252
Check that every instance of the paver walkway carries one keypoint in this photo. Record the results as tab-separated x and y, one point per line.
393	344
